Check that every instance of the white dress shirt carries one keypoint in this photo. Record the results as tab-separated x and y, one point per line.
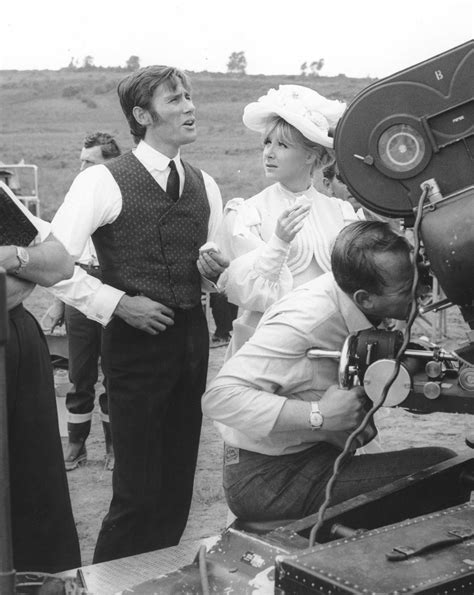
94	200
89	256
247	395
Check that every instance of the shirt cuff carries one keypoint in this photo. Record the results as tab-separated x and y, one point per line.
208	286
103	304
278	244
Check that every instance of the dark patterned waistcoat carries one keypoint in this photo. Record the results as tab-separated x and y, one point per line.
152	247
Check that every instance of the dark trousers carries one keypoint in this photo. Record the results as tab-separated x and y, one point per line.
261	487
155	385
223	313
44	533
84	344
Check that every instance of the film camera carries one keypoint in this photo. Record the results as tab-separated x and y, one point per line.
411	132
405	148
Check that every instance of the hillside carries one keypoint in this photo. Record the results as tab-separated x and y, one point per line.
46	114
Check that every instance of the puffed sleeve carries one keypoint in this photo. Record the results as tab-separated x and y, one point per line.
258	274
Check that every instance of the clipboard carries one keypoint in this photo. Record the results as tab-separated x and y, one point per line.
15	226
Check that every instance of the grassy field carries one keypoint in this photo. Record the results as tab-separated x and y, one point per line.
46	114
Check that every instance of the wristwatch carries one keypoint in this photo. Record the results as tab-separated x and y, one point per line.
23	258
316	418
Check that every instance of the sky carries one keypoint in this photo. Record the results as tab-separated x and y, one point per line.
355	37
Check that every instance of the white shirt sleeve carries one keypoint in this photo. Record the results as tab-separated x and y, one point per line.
88	295
215	218
258	274
243	394
215	204
93	200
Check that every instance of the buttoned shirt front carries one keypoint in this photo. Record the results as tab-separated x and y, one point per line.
94	200
246	397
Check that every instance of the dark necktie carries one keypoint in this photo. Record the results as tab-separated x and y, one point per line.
172	185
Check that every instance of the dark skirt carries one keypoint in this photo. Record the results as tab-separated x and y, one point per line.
43	529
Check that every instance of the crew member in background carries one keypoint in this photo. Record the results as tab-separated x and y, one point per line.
43	530
84	338
150	215
223	313
336	187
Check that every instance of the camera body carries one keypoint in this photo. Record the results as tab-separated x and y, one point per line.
413	126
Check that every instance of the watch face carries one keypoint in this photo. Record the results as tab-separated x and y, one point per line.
316	419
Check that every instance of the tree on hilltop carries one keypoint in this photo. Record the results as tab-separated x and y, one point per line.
73	64
88	63
237	63
316	66
133	63
312	68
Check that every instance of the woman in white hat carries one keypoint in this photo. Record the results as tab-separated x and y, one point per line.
281	237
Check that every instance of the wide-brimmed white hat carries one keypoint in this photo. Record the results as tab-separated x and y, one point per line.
304	108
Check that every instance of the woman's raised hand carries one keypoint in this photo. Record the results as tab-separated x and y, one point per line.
291	221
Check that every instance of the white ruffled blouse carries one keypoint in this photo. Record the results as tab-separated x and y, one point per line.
263	267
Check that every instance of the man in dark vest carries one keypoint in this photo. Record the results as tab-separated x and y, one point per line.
149	214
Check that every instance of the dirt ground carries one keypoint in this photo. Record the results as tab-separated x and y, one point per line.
90	485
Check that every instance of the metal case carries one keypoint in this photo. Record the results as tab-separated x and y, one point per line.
429	554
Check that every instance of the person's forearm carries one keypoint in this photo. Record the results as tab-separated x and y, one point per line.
48	262
17	291
241	407
294	415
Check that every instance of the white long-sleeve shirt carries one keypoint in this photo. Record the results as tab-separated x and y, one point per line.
94	200
263	267
247	395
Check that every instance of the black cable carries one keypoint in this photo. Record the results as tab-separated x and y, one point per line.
370	414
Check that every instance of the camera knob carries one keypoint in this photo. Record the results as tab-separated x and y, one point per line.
433	369
431	390
466	378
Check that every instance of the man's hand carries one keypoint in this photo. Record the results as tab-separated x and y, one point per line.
342	409
211	263
144	314
53	317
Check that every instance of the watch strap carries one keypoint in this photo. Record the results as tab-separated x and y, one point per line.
23	258
316	418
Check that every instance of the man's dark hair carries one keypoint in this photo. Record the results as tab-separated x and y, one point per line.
352	258
137	89
105	141
330	171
